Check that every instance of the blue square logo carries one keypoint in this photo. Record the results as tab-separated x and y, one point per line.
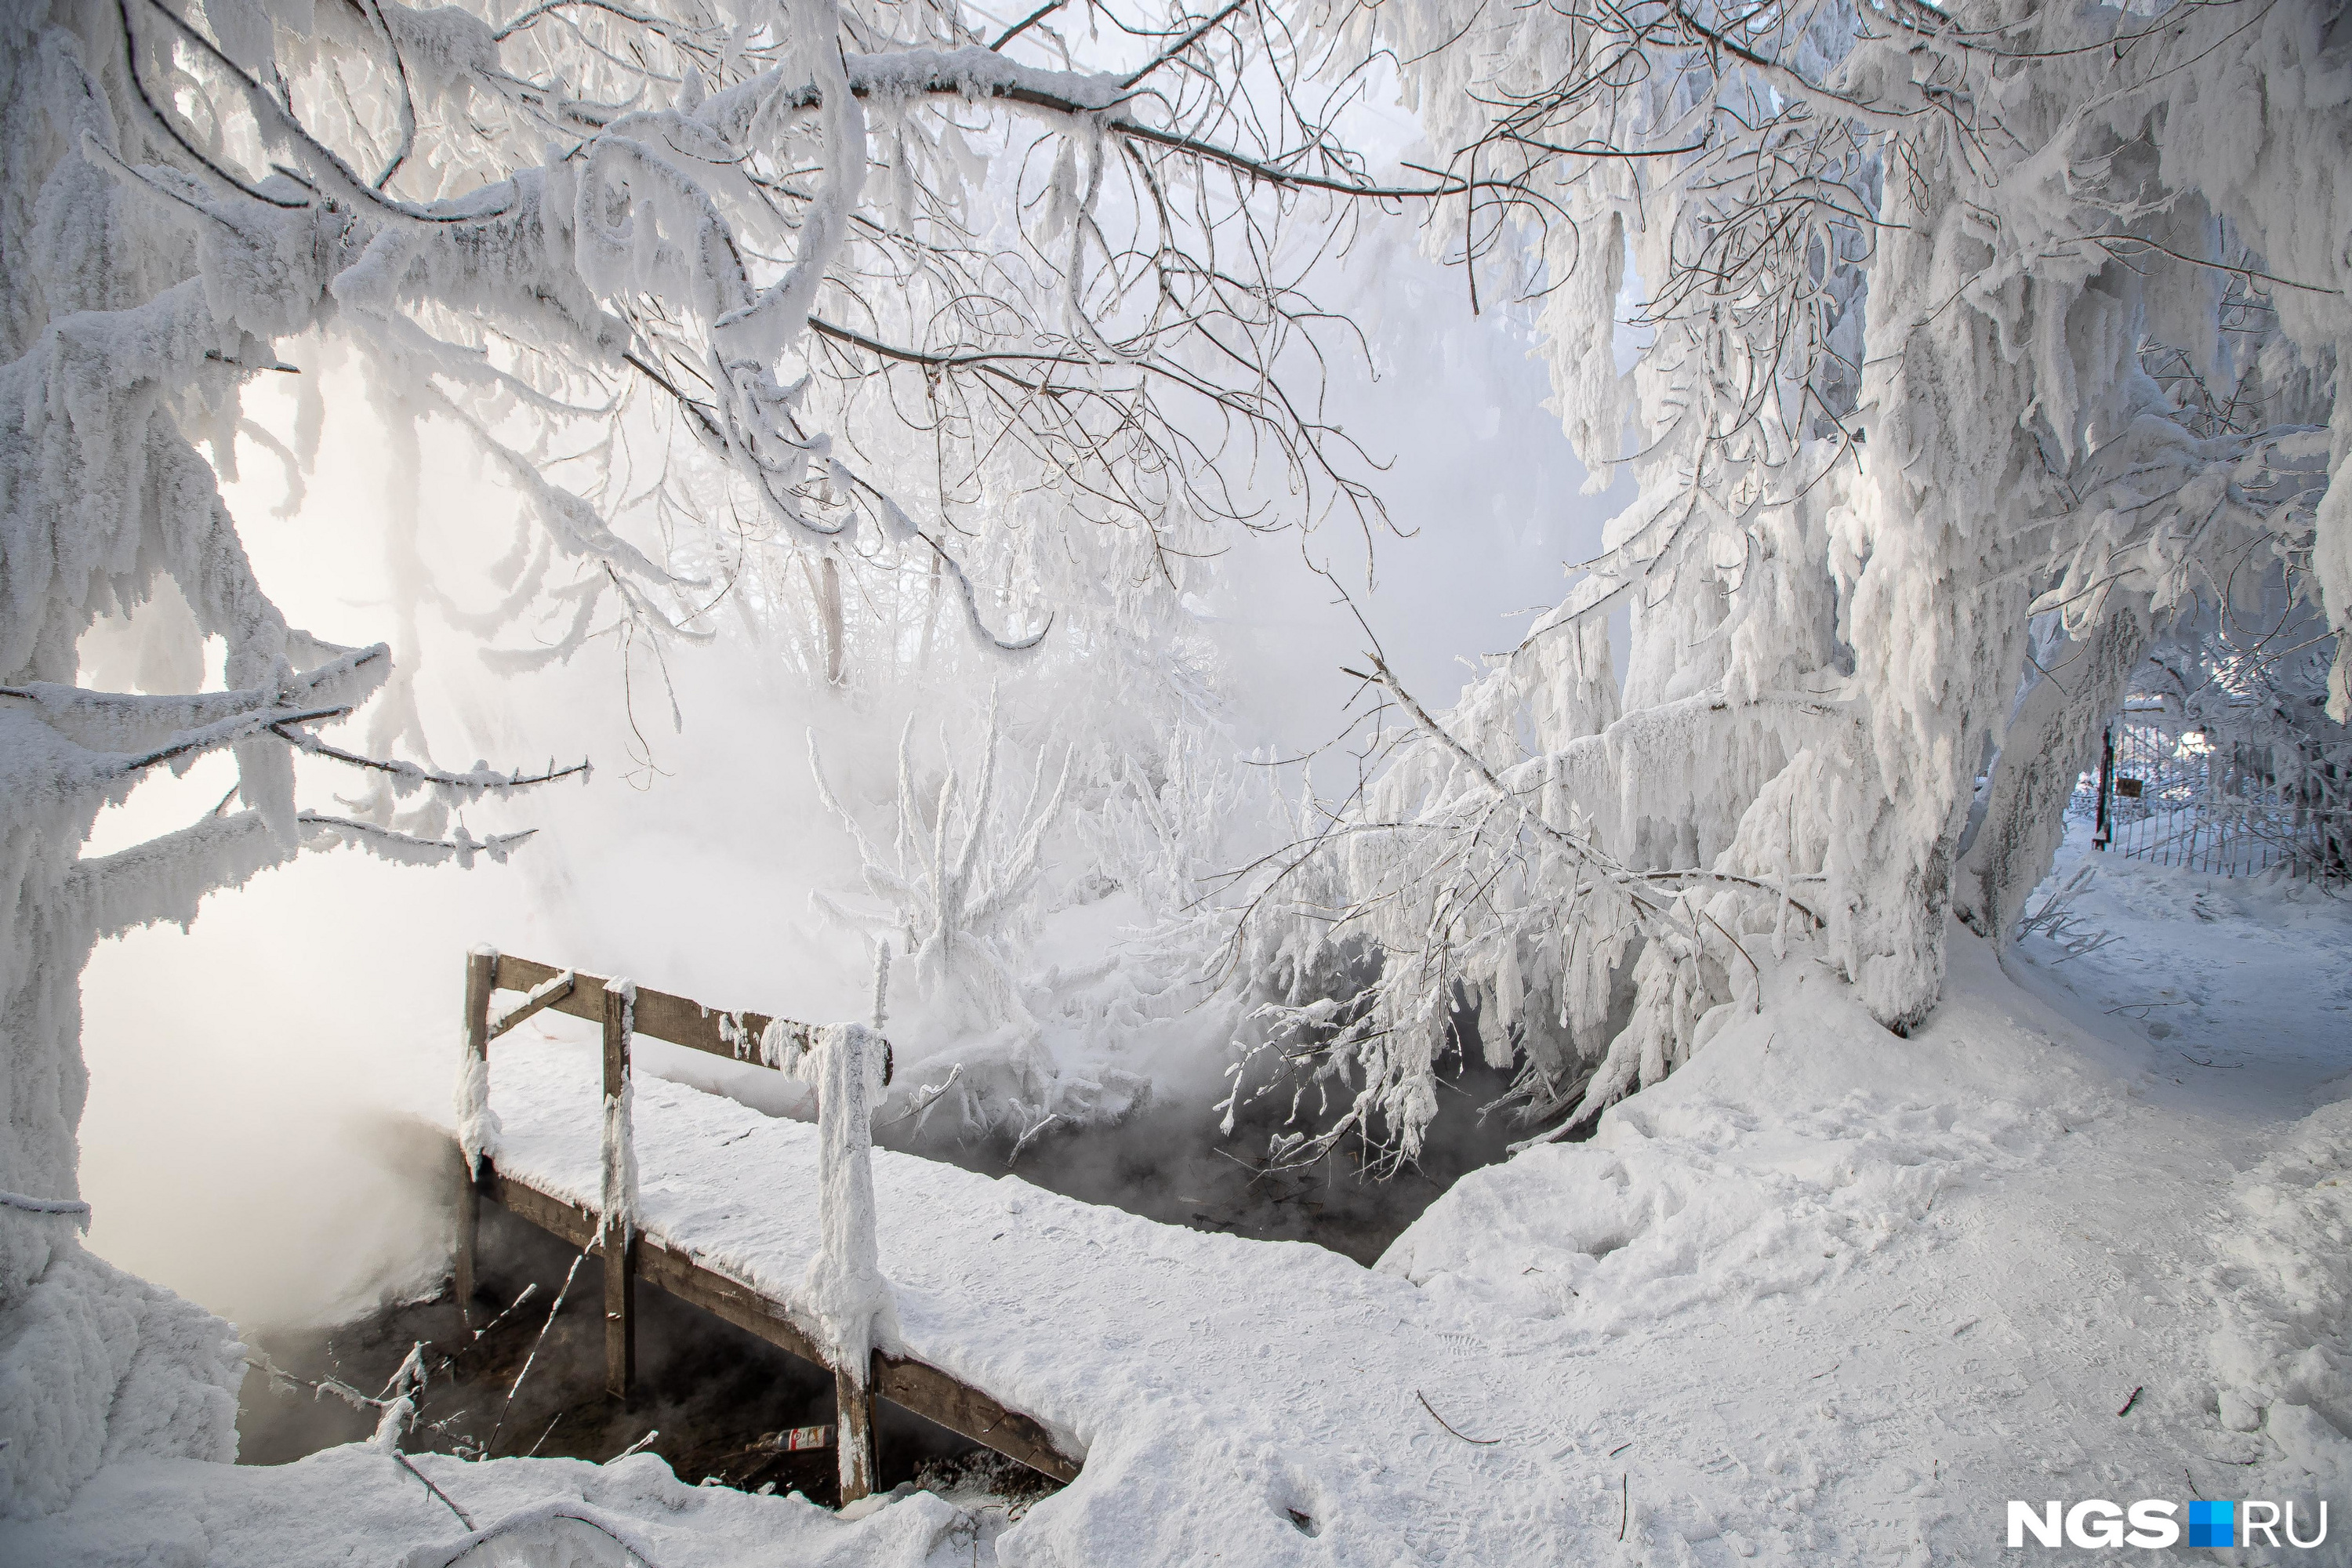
2213	1524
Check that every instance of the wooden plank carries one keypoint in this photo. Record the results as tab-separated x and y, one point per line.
678	1019
618	1253
534	1000
957	1405
565	1222
910	1384
463	1280
674	1270
620	1234
585	1000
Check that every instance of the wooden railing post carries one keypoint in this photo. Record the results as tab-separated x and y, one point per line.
846	1283
619	1234
481	974
860	1453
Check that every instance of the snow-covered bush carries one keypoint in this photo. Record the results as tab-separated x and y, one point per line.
955	875
1050	958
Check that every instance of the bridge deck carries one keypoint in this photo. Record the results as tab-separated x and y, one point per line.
1159	1357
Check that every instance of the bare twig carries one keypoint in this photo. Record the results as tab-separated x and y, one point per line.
500	1425
1441	1421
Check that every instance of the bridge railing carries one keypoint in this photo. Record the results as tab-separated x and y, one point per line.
624	1010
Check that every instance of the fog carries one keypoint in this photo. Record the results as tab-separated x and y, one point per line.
241	1142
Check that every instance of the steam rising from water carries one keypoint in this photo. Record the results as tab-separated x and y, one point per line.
239	1144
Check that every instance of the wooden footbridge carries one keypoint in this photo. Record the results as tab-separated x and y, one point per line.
672	1258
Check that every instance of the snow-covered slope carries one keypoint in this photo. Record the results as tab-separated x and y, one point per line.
356	1506
1827	1294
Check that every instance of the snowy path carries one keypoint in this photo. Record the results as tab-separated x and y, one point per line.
1847	1309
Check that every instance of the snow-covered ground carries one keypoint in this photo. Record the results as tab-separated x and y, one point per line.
1846	1295
1826	1295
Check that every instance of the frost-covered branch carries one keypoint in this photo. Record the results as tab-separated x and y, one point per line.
481	780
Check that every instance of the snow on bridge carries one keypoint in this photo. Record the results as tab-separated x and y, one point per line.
1327	1402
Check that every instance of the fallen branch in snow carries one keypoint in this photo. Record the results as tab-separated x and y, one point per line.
436	1491
2128	1404
2127	1006
1441	1421
541	1517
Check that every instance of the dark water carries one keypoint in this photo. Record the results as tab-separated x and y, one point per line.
1167	1164
714	1396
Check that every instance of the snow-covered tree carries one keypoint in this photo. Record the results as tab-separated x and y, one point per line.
757	307
1925	302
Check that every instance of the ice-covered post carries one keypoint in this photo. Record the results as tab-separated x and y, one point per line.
617	1228
477	1127
844	1281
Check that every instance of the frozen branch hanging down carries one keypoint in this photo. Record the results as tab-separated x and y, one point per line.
1972	346
1497	915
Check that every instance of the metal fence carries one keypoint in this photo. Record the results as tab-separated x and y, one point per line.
2178	794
